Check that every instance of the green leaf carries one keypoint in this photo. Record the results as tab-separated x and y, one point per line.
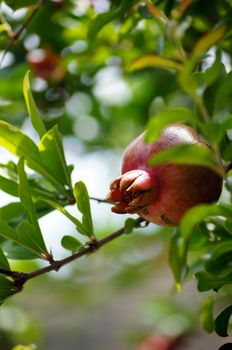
27	202
196	154
3	260
186	79
206	318
207	41
71	243
8	186
7	288
17	4
52	156
25	195
32	108
222	322
19	144
218	260
18	252
193	217
80	227
13	213
228	226
206	281
104	18
177	258
83	204
15	141
129	225
196	214
168	116
150	60
28	237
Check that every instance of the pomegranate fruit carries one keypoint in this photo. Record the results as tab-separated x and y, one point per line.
163	193
158	342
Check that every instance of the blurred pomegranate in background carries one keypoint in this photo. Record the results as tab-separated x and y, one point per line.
158	342
46	64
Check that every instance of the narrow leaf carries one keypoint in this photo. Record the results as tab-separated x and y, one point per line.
3	260
52	156
25	195
28	237
168	116
83	204
222	322
104	18
7	288
207	41
8	232
151	60
177	258
32	108
27	202
206	317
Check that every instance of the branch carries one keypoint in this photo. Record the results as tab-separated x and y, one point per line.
20	278
16	35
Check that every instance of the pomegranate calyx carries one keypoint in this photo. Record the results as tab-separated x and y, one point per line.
132	191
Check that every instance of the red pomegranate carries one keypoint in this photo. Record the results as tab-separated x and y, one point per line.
163	193
158	342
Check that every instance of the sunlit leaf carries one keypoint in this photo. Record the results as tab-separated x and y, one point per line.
206	318
185	154
83	204
155	11
168	116
152	60
18	143
104	18
208	40
71	243
222	322
32	108
53	158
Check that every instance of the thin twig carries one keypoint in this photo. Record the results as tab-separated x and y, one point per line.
20	278
15	36
99	200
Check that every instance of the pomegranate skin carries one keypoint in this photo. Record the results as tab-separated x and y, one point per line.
163	193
